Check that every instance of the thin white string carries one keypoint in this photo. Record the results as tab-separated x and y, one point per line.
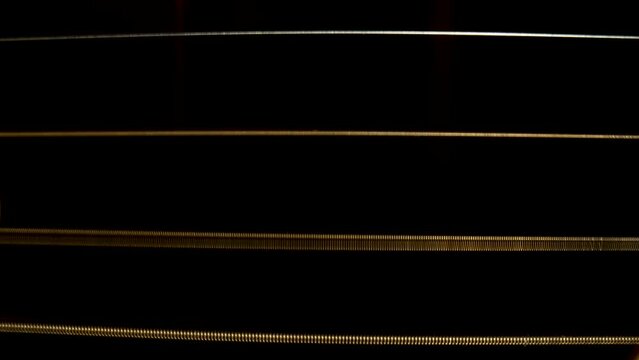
321	33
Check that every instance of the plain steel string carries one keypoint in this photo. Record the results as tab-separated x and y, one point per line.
320	33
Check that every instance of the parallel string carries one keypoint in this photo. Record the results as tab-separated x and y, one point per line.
309	242
309	133
321	33
321	339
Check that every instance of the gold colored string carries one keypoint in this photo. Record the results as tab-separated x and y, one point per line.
309	133
321	339
309	242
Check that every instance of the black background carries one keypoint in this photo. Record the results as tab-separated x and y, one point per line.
346	185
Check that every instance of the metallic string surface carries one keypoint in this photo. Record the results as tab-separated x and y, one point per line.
309	133
325	242
305	242
323	33
320	339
